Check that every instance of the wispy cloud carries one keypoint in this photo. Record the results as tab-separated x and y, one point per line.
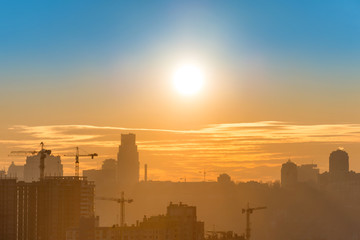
217	146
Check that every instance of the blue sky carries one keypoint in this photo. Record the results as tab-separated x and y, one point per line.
297	53
109	63
57	33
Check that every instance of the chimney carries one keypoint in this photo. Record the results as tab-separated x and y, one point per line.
145	177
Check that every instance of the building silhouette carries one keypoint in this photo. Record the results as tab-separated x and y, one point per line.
104	177
62	202
27	211
308	173
289	174
128	161
16	171
106	185
53	167
8	208
179	223
224	179
339	162
45	209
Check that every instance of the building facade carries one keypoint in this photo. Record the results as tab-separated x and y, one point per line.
53	167
128	161
289	174
308	173
16	171
8	208
47	208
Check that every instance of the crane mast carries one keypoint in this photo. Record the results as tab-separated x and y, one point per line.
77	158
248	212
122	202
43	152
77	164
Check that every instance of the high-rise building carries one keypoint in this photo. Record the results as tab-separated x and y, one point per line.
16	171
128	161
27	211
106	185
8	208
53	167
51	206
289	174
308	173
338	162
106	176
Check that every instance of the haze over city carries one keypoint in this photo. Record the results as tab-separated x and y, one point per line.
272	81
179	120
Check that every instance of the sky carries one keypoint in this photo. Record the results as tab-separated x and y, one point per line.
281	81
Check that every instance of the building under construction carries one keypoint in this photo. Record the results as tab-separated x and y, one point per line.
8	208
44	210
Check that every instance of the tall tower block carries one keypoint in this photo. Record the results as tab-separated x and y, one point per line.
128	161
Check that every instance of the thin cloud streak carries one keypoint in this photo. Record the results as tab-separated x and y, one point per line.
218	146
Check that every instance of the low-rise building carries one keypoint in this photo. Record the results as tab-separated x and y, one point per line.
180	223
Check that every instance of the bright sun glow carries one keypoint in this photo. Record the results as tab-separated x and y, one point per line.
188	79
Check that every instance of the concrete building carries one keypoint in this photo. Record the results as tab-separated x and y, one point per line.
27	216
104	177
339	162
308	173
49	207
180	223
16	171
289	174
106	186
128	161
224	179
338	166
53	167
8	208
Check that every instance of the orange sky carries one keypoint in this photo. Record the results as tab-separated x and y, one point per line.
246	151
280	80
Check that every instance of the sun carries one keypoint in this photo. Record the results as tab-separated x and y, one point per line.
188	79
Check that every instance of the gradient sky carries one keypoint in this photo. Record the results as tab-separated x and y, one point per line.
293	64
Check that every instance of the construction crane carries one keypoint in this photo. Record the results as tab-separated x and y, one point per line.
248	212
122	202
77	163
43	152
204	174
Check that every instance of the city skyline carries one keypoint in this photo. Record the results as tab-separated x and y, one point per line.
248	151
179	120
74	69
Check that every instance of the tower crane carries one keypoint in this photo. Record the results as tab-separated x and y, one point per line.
122	202
248	212
43	152
77	163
